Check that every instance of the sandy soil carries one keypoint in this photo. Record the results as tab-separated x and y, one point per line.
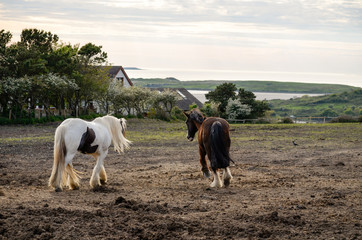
155	189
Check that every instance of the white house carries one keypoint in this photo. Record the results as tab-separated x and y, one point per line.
118	73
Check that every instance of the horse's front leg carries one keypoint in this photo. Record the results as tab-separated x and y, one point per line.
95	180
203	162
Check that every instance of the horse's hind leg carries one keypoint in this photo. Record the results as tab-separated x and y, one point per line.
217	181
227	177
95	179
73	179
103	176
203	162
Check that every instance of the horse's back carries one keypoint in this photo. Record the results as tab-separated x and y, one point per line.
74	126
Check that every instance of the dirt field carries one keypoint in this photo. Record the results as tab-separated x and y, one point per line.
155	189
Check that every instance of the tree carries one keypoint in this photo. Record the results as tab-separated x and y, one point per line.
165	101
349	111
258	108
92	79
39	58
142	98
93	85
5	38
221	95
246	97
15	93
32	51
329	113
92	54
63	59
54	88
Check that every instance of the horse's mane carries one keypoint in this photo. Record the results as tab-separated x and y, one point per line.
115	126
197	116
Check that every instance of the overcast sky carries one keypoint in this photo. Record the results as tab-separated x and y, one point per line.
308	41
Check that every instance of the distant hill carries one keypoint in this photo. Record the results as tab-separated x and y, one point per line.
345	103
254	86
132	68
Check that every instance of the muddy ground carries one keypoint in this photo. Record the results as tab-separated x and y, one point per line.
155	189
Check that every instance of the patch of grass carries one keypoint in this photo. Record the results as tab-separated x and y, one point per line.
27	139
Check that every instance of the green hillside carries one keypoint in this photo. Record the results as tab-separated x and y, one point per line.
345	103
254	86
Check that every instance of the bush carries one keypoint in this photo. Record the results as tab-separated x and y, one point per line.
90	116
236	110
162	115
4	121
159	114
177	113
192	106
151	113
263	121
344	119
210	110
287	120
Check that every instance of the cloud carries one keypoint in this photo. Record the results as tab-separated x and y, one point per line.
255	35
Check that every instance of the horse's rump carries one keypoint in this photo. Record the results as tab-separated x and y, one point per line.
219	140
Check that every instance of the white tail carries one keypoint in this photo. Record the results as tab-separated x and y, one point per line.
58	176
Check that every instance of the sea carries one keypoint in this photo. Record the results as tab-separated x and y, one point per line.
189	75
214	74
200	95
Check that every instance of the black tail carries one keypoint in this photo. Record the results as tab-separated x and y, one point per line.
220	143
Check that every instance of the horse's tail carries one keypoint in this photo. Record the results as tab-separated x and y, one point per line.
120	142
57	178
220	144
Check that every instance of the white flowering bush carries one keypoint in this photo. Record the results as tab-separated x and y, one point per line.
236	110
165	100
48	89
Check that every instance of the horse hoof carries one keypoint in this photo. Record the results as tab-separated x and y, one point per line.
58	189
216	184
227	182
207	174
103	182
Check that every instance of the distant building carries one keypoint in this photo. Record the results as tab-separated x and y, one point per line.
120	75
117	73
187	98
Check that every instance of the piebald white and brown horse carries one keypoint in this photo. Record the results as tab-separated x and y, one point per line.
214	141
93	138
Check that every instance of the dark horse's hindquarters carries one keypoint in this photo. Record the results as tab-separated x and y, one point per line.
214	141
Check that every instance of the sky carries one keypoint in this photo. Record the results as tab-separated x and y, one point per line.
318	41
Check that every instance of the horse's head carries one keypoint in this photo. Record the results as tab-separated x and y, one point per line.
193	122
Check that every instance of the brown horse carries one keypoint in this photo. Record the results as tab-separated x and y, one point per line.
214	141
